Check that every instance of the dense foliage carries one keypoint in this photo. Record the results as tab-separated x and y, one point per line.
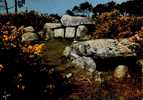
28	19
112	25
130	7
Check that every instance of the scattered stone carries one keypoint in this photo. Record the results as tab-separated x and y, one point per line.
29	36
67	51
68	75
140	63
120	72
28	29
75	41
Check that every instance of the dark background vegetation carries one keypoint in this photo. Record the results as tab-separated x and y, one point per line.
130	7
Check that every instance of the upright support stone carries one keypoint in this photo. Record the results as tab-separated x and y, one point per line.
70	32
59	33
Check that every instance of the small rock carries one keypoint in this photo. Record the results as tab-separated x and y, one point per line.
91	70
67	51
29	29
29	37
68	75
140	63
1	67
120	72
75	41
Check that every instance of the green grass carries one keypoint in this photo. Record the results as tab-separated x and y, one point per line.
54	51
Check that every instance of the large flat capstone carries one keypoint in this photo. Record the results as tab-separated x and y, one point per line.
99	49
105	48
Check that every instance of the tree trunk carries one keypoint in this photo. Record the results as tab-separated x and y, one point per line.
6	6
16	10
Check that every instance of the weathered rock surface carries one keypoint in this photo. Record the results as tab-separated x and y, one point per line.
120	72
105	48
68	20
84	53
81	31
70	32
51	25
59	33
44	35
29	36
49	29
85	63
28	29
55	30
67	51
41	33
140	63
